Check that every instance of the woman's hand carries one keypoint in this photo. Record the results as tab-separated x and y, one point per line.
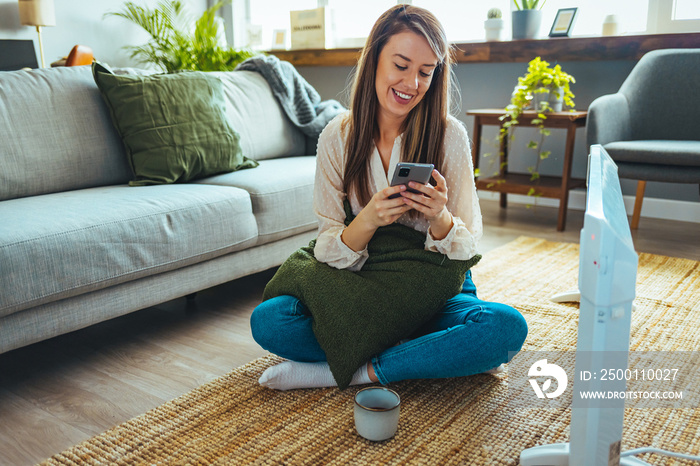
431	202
380	211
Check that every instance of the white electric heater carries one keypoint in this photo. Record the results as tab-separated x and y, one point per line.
607	275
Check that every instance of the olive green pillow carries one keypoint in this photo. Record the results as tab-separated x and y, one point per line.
174	126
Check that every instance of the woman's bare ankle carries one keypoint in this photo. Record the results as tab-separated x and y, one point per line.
370	371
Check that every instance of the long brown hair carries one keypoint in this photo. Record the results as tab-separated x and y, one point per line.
424	127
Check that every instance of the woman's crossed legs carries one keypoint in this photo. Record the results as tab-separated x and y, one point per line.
468	336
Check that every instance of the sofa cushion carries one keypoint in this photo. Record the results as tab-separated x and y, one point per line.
61	245
56	134
281	191
656	152
174	126
265	130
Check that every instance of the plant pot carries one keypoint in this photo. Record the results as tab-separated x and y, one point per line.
538	98
526	23
493	28
555	98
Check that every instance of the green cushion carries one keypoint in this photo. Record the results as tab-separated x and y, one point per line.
174	126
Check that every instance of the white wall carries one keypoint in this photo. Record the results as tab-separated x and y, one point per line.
83	22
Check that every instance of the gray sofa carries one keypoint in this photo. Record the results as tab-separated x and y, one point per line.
79	246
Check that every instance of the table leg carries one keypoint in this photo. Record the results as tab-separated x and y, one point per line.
566	176
476	142
503	167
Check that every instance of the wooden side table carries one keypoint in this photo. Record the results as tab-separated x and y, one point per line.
518	183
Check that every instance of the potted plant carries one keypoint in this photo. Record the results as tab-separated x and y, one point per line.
180	41
527	20
543	88
493	24
540	80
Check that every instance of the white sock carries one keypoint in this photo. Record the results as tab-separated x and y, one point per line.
291	374
496	370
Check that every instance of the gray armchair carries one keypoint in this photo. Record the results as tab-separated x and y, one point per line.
651	127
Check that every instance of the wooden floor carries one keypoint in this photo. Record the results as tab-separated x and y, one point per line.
57	393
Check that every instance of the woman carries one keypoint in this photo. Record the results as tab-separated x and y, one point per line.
399	112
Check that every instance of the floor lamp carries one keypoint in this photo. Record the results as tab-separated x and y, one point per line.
37	13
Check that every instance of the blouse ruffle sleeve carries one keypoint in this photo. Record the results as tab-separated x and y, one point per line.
328	201
461	242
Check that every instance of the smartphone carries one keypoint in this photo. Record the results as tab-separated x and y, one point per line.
405	172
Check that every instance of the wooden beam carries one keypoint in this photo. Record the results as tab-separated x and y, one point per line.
319	57
516	51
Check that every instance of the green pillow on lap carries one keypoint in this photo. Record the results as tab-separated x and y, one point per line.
174	126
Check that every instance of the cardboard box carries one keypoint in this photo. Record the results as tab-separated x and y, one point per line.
311	29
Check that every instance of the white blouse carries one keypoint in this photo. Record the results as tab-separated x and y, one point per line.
462	201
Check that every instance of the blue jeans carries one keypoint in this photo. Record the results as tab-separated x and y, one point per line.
468	336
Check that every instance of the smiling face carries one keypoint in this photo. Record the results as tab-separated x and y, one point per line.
404	72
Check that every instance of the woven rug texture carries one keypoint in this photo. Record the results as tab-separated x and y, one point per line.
465	421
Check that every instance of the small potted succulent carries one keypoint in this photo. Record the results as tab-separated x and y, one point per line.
493	24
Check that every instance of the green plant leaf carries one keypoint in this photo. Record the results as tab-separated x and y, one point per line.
544	154
179	41
532	145
477	173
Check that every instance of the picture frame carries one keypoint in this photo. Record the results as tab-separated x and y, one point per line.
563	22
279	39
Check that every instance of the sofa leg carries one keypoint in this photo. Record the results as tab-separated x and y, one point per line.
641	186
191	296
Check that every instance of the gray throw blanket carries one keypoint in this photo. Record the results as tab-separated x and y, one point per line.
300	101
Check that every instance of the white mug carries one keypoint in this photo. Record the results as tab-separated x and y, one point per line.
377	413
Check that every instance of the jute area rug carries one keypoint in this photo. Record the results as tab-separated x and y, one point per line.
232	420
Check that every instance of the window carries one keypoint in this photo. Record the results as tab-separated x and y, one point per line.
673	16
273	14
686	9
631	16
352	20
464	21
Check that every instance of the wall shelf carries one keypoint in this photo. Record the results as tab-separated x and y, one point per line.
552	49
